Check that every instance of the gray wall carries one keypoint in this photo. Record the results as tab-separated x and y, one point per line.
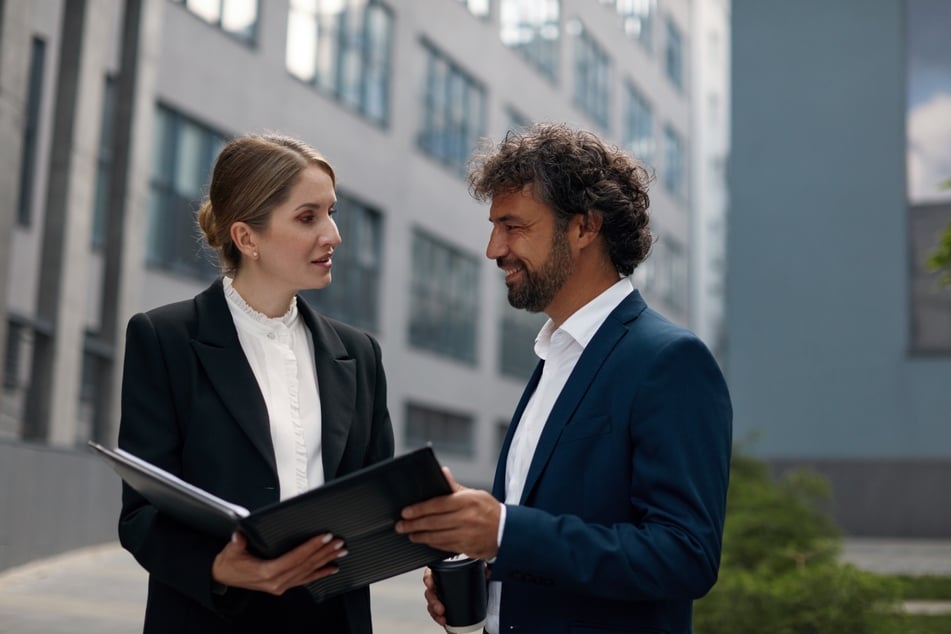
818	254
53	500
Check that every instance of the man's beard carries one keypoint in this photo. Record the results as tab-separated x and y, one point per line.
538	288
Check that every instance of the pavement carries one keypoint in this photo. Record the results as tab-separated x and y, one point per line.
101	589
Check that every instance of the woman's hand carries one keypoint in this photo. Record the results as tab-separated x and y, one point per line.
234	566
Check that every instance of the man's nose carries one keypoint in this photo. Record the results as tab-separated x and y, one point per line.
496	248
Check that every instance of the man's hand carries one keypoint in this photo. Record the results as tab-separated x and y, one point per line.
234	566
465	521
436	609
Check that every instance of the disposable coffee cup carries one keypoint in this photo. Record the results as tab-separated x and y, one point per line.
460	584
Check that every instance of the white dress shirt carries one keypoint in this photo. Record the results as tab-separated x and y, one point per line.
560	348
281	354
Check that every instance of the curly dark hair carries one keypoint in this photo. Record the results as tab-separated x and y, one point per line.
573	172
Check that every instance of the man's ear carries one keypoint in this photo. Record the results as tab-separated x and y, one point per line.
589	226
243	238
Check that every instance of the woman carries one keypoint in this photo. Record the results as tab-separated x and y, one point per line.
248	393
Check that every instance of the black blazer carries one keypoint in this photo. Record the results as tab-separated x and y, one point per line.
191	405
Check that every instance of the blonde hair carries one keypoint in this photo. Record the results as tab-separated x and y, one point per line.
252	175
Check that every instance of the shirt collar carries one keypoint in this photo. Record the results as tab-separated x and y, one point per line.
582	324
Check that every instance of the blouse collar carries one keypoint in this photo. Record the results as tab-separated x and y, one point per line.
253	317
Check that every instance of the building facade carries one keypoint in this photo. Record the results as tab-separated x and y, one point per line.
113	112
839	341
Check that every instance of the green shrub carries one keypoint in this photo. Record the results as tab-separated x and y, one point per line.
780	573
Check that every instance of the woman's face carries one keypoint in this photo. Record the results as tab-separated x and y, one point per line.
294	250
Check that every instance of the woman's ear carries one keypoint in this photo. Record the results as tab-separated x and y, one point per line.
243	237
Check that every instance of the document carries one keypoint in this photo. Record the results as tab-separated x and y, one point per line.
361	508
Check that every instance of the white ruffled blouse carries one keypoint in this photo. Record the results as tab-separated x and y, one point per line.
280	351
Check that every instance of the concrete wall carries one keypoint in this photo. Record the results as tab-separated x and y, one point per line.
818	359
53	500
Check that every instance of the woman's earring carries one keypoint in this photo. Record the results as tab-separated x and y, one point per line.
254	255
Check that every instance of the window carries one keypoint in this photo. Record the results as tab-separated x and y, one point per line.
479	8
517	332
501	429
663	276
592	79
449	433
343	47
444	298
517	120
183	154
674	176
638	125
674	55
928	159
453	112
31	124
104	164
531	28
236	17
354	295
930	304
17	332
638	20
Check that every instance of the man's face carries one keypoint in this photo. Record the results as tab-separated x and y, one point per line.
530	247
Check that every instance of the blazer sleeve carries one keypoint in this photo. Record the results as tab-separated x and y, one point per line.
679	428
381	444
171	552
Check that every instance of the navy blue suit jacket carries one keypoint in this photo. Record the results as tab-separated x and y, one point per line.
191	405
620	523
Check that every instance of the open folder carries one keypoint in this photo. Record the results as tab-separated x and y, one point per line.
361	508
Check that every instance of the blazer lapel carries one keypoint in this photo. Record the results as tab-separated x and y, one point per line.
220	354
585	371
336	381
498	485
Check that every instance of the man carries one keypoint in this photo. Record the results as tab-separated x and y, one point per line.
613	474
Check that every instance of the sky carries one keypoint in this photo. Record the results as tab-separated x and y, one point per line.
929	99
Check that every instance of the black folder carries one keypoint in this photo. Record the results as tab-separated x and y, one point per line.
361	508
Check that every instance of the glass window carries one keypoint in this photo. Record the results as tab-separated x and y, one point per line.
354	294
517	120
478	8
674	175
674	55
517	332
501	429
638	20
31	123
592	79
448	432
663	276
444	298
928	158
343	47
453	112
638	125
531	27
183	155
237	17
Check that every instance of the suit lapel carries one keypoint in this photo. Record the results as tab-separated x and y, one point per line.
336	381
585	371
220	354
498	486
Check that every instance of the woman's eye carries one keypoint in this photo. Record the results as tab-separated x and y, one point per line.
307	218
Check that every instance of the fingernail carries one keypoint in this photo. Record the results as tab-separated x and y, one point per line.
341	554
338	545
326	538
